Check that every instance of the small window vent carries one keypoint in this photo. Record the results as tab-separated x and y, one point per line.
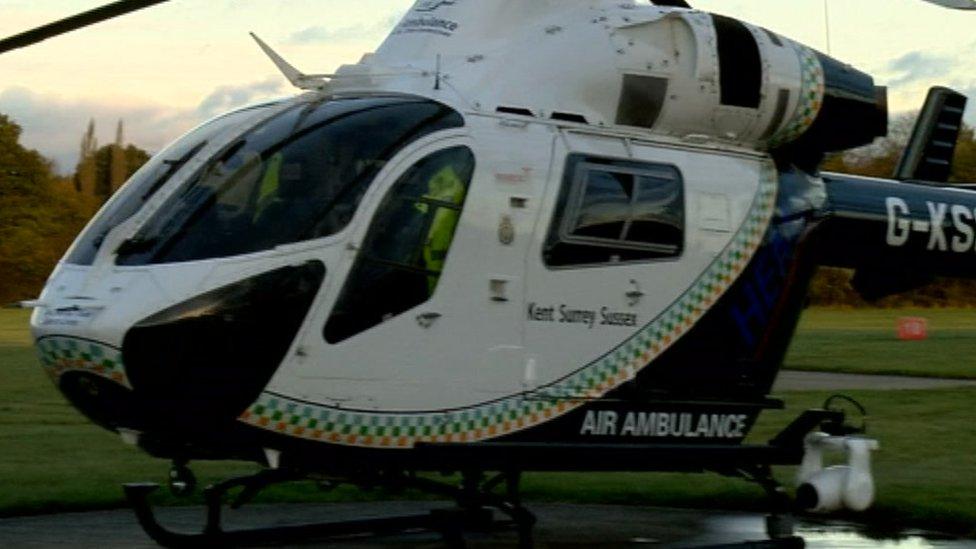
569	117
518	111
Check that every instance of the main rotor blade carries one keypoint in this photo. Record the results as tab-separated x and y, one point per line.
75	22
955	4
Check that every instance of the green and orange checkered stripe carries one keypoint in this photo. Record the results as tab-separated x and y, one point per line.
67	354
402	430
812	89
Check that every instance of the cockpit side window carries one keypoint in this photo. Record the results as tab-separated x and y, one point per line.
615	211
149	179
297	177
406	247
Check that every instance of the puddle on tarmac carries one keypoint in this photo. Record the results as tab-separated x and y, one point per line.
824	537
827	535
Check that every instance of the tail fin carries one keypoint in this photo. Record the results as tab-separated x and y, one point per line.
929	154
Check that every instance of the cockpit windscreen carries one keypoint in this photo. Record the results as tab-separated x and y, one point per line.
298	176
149	179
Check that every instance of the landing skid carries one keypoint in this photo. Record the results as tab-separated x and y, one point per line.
475	503
473	513
476	496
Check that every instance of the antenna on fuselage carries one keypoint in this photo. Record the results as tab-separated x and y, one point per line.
296	77
827	25
437	77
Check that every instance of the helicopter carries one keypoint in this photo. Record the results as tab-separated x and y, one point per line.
581	244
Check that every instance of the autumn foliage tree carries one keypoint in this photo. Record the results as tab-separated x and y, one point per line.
40	214
132	159
964	168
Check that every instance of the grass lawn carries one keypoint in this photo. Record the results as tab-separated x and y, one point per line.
864	341
925	471
13	328
53	459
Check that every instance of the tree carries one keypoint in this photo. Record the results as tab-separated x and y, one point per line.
880	158
964	166
19	167
39	216
132	159
102	171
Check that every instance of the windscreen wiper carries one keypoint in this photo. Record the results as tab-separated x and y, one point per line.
173	166
135	245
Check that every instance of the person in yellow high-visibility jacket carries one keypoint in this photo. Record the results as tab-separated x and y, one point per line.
270	185
444	186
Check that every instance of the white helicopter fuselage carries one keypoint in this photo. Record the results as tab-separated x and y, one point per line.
506	322
618	192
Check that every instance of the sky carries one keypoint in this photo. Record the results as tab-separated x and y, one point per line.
165	69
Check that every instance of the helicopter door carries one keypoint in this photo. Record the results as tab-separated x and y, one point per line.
401	262
429	315
629	230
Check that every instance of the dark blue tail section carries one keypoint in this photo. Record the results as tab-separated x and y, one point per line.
897	235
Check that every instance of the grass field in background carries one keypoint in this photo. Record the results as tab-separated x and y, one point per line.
54	460
925	470
864	341
13	328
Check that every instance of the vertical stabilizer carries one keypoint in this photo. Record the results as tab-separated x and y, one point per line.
929	154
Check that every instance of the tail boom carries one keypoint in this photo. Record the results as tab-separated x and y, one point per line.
897	235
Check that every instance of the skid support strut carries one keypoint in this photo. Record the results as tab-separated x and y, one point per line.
780	521
474	498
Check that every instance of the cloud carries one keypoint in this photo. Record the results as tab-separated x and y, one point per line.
916	66
226	98
353	33
54	125
312	35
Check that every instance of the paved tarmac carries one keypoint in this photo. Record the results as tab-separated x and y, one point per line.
561	526
791	380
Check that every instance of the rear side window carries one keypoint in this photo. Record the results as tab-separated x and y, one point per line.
616	211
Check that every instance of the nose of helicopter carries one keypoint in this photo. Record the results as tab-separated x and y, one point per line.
194	367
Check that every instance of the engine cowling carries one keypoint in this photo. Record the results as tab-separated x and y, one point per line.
692	73
676	73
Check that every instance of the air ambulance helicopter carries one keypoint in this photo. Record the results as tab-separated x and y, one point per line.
522	235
